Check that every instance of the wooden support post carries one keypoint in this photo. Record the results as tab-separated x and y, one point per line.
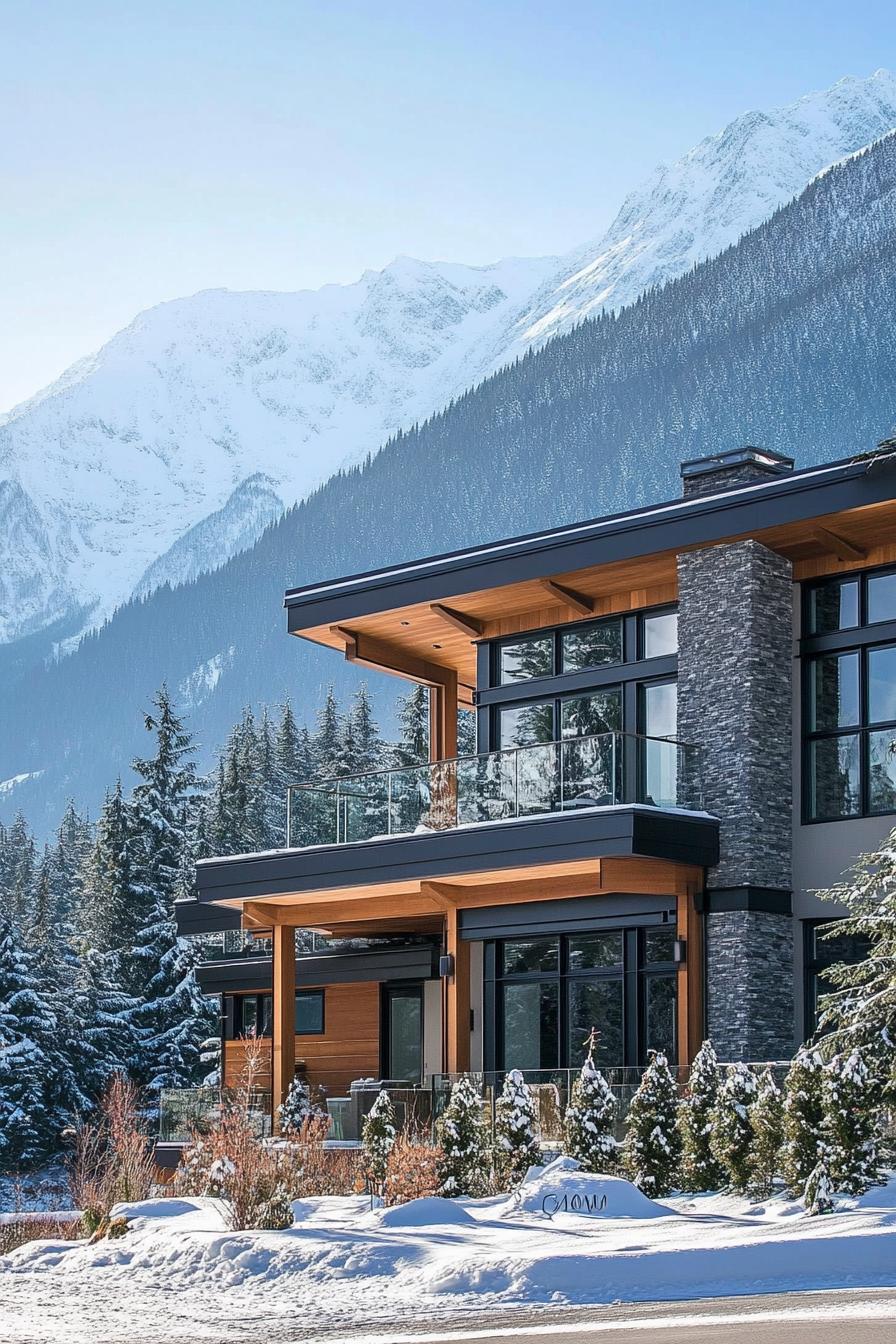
690	977
457	1015
443	719
284	1016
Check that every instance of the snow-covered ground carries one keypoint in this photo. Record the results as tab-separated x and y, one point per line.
178	1273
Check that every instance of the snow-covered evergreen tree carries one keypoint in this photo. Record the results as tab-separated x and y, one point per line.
516	1130
767	1124
298	1107
818	1193
861	1008
804	1117
111	905
462	1134
653	1144
328	740
170	1016
378	1134
590	1118
699	1169
413	717
852	1116
19	867
731	1140
30	1124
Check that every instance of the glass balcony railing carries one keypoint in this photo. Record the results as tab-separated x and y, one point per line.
598	771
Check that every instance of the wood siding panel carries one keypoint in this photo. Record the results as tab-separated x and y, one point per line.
349	1047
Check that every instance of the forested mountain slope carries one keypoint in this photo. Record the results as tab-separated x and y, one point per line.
784	340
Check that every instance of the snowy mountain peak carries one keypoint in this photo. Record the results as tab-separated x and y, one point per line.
172	446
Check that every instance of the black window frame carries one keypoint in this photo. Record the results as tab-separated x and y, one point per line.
861	639
316	994
633	974
813	968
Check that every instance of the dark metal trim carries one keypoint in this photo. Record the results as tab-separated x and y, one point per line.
571	683
700	520
418	962
650	832
580	914
771	900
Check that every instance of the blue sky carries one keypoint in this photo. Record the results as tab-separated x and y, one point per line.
151	150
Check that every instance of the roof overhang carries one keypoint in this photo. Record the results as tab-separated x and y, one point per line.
414	876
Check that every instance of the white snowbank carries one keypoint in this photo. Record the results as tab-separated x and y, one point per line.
430	1212
343	1265
562	1188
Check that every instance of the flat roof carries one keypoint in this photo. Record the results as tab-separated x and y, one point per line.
813	492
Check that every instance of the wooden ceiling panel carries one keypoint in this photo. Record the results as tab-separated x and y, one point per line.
443	633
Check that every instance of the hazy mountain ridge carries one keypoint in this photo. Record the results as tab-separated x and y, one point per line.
135	467
784	339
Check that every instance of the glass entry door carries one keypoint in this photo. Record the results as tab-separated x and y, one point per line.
403	1033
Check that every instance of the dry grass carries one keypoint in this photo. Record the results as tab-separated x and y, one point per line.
112	1160
44	1228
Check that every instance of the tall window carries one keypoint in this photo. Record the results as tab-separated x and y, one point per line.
849	702
548	993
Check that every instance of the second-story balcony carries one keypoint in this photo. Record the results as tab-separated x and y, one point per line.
604	770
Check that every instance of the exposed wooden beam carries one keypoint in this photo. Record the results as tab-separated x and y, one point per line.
842	548
377	654
569	597
467	625
442	894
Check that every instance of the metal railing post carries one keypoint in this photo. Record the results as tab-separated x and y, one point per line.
289	816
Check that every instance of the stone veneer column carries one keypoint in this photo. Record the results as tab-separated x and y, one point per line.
734	703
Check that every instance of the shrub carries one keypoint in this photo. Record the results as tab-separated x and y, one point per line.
112	1160
699	1169
377	1139
254	1180
731	1140
803	1119
851	1122
653	1146
412	1170
44	1228
462	1136
297	1108
590	1117
516	1120
767	1124
818	1195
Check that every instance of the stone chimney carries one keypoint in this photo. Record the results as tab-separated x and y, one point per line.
732	469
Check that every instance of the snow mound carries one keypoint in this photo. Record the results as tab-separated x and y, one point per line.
158	1208
431	1211
562	1187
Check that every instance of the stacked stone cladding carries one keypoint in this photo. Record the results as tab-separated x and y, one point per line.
727	478
735	665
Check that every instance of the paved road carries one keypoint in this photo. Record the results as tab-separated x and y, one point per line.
842	1316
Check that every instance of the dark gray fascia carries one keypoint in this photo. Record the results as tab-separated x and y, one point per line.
618	832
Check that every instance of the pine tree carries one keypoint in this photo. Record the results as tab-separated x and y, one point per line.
107	1045
516	1127
378	1135
591	1117
170	1017
462	1134
767	1124
803	1119
111	905
653	1146
818	1194
852	1120
29	1124
731	1140
413	719
861	1008
699	1169
18	879
297	1108
329	761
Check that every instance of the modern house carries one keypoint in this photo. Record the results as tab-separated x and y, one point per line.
685	718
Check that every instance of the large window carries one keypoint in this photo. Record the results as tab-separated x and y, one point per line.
849	702
599	697
251	1014
821	953
549	992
